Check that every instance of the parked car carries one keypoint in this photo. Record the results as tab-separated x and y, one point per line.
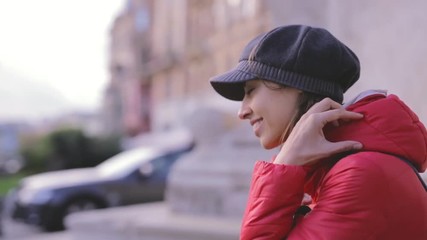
133	176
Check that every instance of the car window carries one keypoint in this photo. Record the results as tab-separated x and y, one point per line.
125	162
161	165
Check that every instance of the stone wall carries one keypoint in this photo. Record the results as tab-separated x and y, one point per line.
387	35
213	180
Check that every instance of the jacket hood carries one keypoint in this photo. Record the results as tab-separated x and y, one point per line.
388	126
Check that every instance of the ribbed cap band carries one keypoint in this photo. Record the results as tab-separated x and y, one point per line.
306	58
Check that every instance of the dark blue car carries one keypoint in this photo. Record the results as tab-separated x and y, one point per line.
133	176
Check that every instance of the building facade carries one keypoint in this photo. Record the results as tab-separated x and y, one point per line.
126	106
163	54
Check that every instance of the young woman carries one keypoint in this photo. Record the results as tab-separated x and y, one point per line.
353	164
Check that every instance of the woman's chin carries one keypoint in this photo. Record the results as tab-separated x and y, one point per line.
269	144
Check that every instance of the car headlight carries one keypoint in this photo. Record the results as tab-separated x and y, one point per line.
34	196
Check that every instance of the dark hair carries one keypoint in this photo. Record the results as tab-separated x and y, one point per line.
305	101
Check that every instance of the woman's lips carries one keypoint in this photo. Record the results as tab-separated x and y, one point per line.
256	126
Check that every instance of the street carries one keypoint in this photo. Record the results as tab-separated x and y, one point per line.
18	231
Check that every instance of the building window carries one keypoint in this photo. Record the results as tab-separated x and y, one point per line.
142	20
119	71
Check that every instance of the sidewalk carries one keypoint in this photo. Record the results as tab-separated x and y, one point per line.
19	231
151	221
43	236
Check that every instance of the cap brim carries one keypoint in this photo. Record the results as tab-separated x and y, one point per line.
231	84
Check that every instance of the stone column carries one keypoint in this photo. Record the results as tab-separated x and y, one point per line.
213	180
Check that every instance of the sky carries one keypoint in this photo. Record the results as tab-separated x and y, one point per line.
53	55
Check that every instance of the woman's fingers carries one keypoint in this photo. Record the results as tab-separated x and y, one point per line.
307	144
324	105
332	116
337	114
344	146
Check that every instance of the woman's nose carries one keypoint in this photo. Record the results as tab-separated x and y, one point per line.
244	112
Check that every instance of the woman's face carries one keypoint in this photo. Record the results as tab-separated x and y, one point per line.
269	109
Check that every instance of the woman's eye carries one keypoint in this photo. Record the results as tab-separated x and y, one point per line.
248	91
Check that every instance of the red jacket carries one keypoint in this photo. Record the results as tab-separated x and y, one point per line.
371	194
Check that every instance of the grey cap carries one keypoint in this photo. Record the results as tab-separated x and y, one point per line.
303	57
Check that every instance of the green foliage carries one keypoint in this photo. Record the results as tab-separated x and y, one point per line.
65	149
9	182
70	149
36	150
103	148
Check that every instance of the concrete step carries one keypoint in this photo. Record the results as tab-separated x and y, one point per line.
153	221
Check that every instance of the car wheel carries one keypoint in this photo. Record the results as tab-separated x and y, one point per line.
80	206
76	205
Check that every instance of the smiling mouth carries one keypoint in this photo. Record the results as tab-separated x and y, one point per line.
256	125
255	121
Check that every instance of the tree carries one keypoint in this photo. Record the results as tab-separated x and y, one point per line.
65	149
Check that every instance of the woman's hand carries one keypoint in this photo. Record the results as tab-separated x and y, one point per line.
307	144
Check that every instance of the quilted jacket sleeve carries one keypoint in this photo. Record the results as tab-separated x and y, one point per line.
276	193
342	211
351	204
